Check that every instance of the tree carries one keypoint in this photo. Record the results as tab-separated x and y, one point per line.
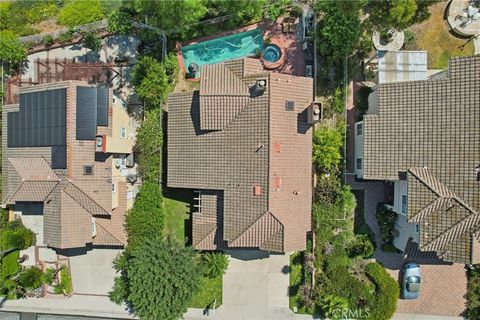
402	12
12	52
327	143
277	8
31	278
78	12
338	31
149	145
120	22
151	82
215	264
159	279
92	41
180	16
145	219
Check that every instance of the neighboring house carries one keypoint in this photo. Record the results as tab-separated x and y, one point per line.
242	142
424	136
68	165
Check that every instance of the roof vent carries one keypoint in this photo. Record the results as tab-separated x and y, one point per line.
257	190
289	105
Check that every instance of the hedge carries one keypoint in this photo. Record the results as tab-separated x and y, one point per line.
386	293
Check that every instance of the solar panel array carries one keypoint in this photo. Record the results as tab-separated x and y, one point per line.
40	121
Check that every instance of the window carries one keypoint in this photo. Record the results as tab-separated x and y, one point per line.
87	170
359	129
113	101
417	228
123	105
114	187
404	203
123	161
123	132
359	164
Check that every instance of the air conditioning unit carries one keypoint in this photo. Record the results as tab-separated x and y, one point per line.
130	160
132	178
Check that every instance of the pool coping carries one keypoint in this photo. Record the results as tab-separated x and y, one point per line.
180	45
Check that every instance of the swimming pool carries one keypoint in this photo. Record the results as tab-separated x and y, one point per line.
234	46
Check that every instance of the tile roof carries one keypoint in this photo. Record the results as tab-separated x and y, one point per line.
227	164
33	168
32	191
430	130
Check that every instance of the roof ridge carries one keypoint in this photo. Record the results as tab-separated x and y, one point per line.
431	207
70	183
253	225
7	200
467	224
99	223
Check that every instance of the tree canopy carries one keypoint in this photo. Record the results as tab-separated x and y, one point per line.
151	82
78	12
338	31
11	50
149	145
159	277
327	143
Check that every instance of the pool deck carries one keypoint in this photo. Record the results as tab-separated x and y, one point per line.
289	43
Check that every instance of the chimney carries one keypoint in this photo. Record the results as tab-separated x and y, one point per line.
314	113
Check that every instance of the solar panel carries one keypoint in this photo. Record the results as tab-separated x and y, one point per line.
86	113
102	106
40	121
59	157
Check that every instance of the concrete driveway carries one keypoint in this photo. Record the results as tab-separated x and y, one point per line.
255	286
93	273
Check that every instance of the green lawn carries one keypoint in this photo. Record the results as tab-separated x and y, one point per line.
210	289
176	203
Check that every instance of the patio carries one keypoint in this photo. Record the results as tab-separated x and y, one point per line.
286	32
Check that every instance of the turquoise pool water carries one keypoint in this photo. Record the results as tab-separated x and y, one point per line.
234	46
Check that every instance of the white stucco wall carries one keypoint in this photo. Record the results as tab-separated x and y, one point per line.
400	188
406	230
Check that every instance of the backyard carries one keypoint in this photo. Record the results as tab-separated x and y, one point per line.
434	36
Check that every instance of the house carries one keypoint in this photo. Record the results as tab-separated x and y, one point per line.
243	143
68	167
424	136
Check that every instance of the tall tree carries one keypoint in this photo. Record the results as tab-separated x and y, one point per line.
159	277
338	31
151	82
12	52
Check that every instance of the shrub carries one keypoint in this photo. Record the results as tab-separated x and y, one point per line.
31	278
145	219
78	12
92	41
330	305
66	37
328	189
149	146
360	246
47	40
472	311
386	292
215	264
49	276
410	39
65	284
277	9
20	238
327	143
386	222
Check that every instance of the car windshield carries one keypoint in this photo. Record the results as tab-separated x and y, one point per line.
413	284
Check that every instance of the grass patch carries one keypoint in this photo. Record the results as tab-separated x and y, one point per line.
177	208
433	36
210	289
296	280
9	264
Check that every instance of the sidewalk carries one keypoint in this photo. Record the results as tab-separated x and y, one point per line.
90	306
